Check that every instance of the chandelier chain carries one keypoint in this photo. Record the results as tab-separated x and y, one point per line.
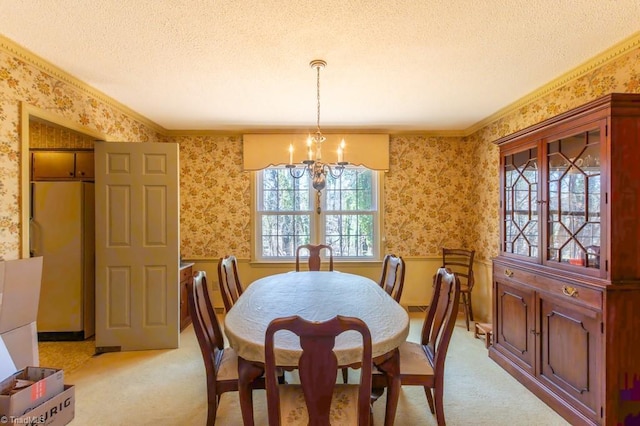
318	97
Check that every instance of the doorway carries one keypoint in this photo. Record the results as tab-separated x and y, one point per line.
70	319
29	114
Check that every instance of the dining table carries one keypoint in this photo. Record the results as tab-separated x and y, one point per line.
315	296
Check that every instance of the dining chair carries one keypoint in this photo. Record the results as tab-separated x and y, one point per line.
229	281
318	400
314	256
460	261
422	364
221	364
392	281
392	278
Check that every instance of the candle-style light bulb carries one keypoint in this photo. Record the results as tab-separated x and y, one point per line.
309	152
339	154
341	151
290	153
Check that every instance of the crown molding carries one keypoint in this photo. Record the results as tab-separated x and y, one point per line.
608	55
614	52
427	133
53	70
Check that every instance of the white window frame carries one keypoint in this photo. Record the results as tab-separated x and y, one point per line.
317	221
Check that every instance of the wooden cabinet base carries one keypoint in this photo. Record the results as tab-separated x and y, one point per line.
567	411
186	274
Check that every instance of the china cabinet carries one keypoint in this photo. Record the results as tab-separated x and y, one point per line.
566	282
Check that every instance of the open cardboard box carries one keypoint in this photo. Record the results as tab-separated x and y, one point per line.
46	401
22	391
20	282
45	384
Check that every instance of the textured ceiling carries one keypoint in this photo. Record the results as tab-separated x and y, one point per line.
243	65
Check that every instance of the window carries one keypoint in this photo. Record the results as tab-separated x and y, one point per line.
287	216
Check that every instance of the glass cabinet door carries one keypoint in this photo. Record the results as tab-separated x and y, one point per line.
520	204
573	215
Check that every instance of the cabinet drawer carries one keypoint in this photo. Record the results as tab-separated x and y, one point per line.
185	273
585	296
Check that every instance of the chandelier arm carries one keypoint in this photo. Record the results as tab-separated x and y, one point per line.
338	170
299	171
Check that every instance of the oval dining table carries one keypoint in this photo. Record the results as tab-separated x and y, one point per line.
315	296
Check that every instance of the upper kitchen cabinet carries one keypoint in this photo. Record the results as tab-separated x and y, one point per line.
58	164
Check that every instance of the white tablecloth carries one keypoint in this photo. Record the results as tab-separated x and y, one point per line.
315	296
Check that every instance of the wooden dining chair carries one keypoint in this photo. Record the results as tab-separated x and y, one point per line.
314	256
318	400
221	364
422	364
392	278
460	261
391	281
229	281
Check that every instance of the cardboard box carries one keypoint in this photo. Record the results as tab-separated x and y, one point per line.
58	411
22	344
20	282
49	382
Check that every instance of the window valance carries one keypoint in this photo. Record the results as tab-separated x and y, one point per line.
263	150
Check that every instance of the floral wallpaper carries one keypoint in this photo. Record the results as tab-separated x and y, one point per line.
45	135
427	190
21	81
215	198
438	191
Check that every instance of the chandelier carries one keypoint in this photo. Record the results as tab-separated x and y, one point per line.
313	165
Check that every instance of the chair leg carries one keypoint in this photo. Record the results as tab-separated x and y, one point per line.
466	309
212	409
470	307
438	396
345	375
427	391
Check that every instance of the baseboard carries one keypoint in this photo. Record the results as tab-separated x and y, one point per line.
61	336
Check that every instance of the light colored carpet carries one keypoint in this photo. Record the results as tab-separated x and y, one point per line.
167	387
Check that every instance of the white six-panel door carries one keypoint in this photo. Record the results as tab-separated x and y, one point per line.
137	246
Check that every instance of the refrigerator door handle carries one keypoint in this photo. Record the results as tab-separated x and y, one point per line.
34	234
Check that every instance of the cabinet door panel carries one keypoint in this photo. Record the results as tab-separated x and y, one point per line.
514	336
573	193
569	353
84	165
52	165
519	199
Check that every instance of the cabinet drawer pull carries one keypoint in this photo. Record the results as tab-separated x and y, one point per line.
569	291
508	272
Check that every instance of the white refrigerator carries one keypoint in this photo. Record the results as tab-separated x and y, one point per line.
62	231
